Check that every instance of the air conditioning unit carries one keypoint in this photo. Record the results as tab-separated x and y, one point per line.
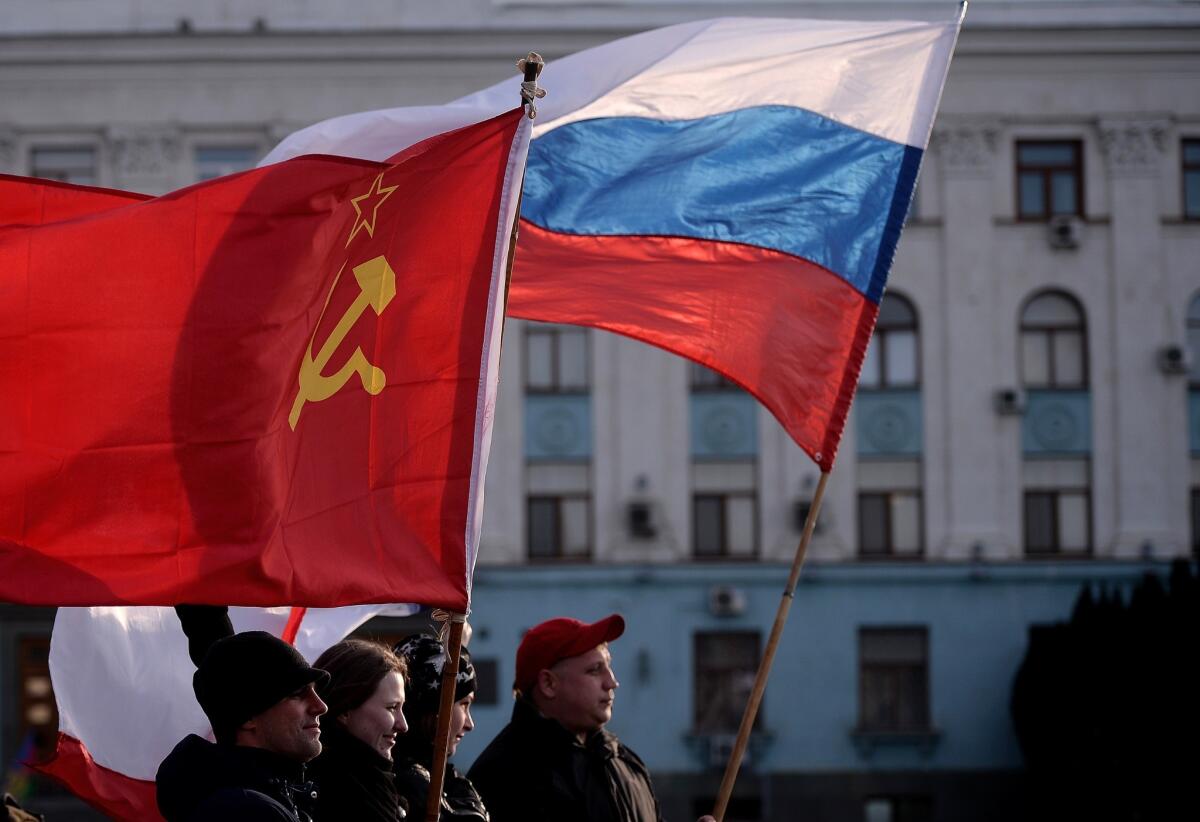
726	601
640	518
1174	360
1009	401
1064	231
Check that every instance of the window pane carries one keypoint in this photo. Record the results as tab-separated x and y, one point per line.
1046	154
68	165
1073	523
1039	523
217	161
539	372
572	360
906	524
707	525
873	523
724	668
878	810
543	527
893	645
869	376
1068	359
576	528
1035	359
1191	152
1062	191
1196	522
1194	312
1051	310
1033	196
901	358
1191	194
895	312
739	523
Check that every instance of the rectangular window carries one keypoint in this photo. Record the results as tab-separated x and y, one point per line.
38	721
75	164
893	665
487	681
1049	178
559	527
705	379
724	664
725	525
889	523
1196	523
1191	179
217	161
1058	522
556	359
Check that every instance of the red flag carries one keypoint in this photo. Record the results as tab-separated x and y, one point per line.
272	388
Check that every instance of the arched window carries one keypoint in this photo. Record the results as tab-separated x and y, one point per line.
1053	342
1193	340
891	360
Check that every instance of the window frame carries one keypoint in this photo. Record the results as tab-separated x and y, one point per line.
1056	550
890	552
702	680
554	333
30	651
1049	333
926	707
704	380
724	555
76	145
560	522
1046	172
879	338
1184	169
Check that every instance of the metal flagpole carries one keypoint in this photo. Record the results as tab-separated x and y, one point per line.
764	668
531	67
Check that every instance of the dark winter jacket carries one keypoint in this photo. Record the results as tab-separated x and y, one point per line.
537	770
353	781
460	800
201	781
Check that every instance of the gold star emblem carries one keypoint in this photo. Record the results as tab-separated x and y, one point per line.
374	198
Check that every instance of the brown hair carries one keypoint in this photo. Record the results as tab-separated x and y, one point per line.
356	667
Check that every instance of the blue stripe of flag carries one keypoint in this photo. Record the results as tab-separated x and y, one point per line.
776	177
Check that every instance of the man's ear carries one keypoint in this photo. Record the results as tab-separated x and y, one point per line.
546	684
248	729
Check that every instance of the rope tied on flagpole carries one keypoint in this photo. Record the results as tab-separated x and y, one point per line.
531	67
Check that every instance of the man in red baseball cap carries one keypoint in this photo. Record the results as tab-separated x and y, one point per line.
555	760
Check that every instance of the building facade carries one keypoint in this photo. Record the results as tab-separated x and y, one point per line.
1027	422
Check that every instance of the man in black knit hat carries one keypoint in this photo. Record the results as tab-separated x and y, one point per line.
260	696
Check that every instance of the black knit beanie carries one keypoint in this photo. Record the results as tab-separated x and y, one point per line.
244	674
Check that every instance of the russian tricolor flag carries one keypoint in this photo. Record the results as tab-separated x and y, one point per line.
731	190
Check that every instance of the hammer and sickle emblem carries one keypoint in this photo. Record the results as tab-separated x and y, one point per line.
377	284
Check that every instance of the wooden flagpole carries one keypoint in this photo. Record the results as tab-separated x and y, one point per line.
764	668
437	768
531	67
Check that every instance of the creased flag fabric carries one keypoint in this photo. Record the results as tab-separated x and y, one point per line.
111	664
274	388
731	190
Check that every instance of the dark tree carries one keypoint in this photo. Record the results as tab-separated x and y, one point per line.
1106	706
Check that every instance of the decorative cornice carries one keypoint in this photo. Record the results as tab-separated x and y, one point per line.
145	152
966	147
1133	147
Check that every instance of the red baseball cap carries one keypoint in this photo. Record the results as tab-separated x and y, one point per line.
560	638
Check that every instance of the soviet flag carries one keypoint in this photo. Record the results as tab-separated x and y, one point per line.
273	388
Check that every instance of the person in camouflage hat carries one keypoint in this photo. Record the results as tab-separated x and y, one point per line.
413	754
